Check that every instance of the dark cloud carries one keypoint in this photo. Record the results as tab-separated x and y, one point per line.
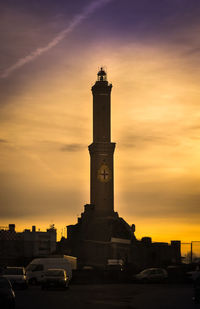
3	140
35	204
193	128
193	51
72	147
142	167
152	203
142	140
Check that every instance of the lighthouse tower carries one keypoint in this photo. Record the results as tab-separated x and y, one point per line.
100	234
102	149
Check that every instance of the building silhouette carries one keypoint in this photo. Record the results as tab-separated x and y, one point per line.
20	247
100	234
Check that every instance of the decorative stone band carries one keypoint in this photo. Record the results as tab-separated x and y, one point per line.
101	87
102	148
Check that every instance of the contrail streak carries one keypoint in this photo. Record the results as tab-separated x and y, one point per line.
77	20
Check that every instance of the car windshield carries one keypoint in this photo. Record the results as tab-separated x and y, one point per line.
14	271
146	271
4	283
35	267
54	273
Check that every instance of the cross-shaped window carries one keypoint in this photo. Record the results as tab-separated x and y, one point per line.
104	174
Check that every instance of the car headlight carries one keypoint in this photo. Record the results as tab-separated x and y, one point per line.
62	279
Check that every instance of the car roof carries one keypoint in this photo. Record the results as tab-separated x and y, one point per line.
53	269
153	268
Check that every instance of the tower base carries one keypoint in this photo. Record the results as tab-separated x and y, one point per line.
97	239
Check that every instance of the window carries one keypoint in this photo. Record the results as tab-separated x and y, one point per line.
35	267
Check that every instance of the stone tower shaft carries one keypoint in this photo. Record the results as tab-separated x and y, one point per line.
102	150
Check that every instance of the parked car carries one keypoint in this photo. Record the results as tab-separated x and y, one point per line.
152	275
7	295
16	276
55	278
176	273
192	275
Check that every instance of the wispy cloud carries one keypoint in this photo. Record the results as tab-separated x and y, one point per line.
3	140
72	147
142	139
76	21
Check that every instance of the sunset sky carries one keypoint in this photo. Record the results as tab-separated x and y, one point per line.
50	53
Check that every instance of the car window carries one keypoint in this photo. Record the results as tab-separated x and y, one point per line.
145	272
154	271
160	271
39	267
35	267
31	267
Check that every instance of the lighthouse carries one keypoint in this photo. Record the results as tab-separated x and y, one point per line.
102	149
100	234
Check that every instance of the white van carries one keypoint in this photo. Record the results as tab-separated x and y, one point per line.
35	270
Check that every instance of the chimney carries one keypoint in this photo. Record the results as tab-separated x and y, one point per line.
12	227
